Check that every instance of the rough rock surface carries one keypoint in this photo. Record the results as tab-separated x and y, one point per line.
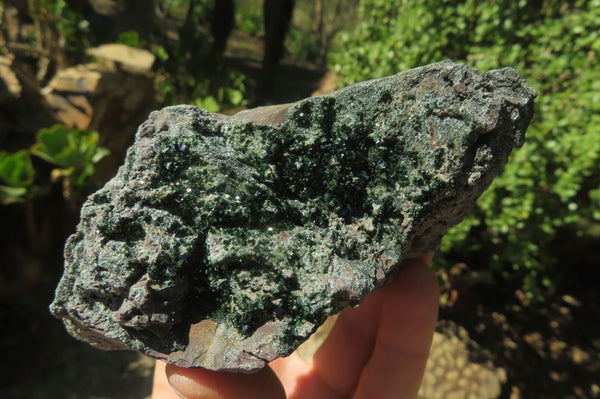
223	242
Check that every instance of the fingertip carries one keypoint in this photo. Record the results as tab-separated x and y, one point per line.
417	276
199	383
161	389
192	383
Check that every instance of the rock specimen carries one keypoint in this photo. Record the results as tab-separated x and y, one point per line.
223	242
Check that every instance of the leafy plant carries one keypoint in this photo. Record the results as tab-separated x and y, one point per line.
74	151
16	174
173	8
17	185
553	182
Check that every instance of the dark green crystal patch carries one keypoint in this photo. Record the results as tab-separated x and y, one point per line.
224	242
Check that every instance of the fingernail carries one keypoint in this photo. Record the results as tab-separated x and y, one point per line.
174	380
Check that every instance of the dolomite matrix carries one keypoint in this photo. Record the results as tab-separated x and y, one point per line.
224	241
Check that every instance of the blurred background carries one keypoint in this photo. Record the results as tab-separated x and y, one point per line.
520	276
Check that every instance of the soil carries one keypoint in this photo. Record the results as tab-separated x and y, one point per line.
549	350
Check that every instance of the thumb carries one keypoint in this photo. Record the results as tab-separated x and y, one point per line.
198	383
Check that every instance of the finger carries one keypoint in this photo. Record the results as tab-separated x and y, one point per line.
409	311
198	383
290	370
160	387
336	367
300	380
341	358
333	371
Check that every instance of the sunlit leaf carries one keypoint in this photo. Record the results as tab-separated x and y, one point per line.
11	195
16	169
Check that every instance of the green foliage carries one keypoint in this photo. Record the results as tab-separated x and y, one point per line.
159	52
193	72
553	182
303	45
69	24
250	21
231	92
16	176
74	151
230	95
16	169
174	8
131	38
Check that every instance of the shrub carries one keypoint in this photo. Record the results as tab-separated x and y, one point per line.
250	21
553	181
73	151
192	71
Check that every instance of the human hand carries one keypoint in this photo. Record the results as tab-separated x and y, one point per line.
376	350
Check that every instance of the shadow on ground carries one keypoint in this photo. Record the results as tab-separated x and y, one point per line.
548	350
43	361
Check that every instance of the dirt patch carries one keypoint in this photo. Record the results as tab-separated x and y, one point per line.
43	361
549	350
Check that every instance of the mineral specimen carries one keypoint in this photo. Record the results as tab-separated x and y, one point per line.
224	241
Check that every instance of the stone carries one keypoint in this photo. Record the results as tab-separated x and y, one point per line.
100	97
120	56
10	88
223	242
69	94
97	96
